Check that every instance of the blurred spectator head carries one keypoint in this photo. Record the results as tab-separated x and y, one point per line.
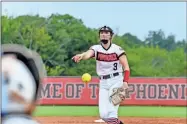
23	72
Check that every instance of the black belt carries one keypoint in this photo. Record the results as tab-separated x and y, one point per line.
109	76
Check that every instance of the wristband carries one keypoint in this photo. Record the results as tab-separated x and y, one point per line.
126	76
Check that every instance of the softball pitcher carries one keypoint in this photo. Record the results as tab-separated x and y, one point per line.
113	71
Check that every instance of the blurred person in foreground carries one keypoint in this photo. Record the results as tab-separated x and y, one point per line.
4	97
23	72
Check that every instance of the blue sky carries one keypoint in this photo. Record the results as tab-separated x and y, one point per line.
135	17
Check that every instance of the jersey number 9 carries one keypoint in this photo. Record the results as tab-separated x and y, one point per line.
115	66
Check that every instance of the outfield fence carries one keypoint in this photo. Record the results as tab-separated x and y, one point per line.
143	91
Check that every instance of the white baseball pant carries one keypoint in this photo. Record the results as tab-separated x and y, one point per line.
106	86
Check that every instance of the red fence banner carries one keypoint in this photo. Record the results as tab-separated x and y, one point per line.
143	91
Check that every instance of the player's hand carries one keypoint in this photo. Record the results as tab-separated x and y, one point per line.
125	85
77	58
125	88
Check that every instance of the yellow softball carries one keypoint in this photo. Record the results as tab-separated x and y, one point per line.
86	77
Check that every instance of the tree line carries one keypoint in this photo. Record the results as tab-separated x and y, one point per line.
58	37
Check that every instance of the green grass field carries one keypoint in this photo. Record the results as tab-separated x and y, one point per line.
130	111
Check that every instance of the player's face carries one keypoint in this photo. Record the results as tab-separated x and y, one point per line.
105	35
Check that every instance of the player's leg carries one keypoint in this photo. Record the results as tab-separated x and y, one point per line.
103	103
113	110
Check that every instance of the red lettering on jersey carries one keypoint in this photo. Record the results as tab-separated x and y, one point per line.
107	57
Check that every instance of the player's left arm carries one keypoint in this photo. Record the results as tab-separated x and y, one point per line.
122	55
124	62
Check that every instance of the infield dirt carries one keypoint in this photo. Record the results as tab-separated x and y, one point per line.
126	120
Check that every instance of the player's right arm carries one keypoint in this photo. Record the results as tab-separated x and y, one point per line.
84	56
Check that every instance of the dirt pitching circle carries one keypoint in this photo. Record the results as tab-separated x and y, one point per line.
126	120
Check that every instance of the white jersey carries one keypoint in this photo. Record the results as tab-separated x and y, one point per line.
107	60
